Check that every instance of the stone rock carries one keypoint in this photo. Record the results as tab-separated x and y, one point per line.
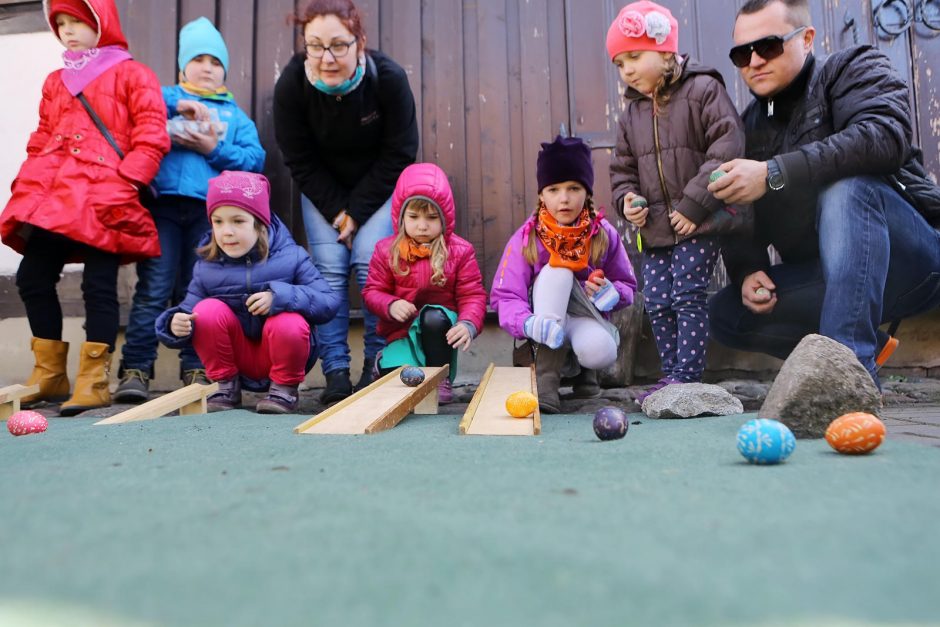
750	393
687	400
821	380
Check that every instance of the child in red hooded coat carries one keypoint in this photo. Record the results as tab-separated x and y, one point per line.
75	199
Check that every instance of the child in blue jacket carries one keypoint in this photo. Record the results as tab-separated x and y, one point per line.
254	299
216	135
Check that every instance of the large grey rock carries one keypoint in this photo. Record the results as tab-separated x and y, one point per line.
821	380
686	400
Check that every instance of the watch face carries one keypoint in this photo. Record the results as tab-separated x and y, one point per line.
775	182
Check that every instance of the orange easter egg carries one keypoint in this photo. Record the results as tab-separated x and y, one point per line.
856	433
521	404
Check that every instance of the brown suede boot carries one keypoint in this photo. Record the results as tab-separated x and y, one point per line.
91	384
49	372
548	365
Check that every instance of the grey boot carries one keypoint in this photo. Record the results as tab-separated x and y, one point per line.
548	365
585	384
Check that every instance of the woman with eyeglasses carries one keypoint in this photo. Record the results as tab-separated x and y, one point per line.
345	122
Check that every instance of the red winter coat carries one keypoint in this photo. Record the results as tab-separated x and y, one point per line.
463	290
73	182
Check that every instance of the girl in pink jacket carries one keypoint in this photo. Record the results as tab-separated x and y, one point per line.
424	283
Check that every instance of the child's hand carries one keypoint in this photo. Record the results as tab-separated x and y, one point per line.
402	310
259	303
681	224
193	110
203	143
459	336
595	282
181	324
635	215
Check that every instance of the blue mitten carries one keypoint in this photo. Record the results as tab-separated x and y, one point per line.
544	330
606	298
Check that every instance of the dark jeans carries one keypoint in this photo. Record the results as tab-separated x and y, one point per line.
161	281
879	261
43	259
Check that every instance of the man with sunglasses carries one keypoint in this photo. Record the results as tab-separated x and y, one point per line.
838	190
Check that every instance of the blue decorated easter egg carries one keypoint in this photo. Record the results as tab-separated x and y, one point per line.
765	441
610	423
412	376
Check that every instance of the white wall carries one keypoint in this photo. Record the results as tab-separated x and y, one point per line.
28	58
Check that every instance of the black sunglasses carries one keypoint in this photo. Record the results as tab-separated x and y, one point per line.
767	48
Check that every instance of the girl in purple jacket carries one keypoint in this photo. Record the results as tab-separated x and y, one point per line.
547	287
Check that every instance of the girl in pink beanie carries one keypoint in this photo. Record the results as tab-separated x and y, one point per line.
678	125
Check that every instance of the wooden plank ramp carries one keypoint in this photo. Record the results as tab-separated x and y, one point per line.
487	415
189	400
10	398
378	407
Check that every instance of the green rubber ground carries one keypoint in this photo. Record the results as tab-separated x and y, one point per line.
233	520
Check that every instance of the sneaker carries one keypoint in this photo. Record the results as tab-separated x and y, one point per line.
445	392
281	399
368	374
133	388
338	386
196	375
642	396
228	397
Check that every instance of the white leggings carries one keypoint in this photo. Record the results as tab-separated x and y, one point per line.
591	342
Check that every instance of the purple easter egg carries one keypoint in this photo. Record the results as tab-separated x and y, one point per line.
412	376
610	423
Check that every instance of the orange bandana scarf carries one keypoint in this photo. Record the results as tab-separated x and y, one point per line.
411	251
568	246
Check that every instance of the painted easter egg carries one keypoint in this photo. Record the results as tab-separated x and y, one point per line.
639	201
597	274
521	404
714	176
765	441
856	433
412	376
26	422
610	423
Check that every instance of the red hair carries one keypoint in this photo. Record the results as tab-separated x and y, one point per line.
344	10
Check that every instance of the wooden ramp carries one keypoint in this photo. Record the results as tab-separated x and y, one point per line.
378	407
487	415
10	398
189	400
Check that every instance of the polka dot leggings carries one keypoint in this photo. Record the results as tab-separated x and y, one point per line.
675	280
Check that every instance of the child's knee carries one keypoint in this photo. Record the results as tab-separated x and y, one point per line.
598	354
288	325
434	320
212	310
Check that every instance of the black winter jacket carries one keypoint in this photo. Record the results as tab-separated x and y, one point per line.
346	152
846	114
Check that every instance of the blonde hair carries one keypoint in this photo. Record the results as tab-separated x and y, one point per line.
599	241
670	76
212	250
438	246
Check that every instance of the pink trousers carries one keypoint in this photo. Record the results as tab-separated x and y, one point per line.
280	355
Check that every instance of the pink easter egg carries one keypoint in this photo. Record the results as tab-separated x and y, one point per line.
26	422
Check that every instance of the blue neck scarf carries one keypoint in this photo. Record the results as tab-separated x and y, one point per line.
346	86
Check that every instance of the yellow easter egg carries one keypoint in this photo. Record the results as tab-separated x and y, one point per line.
521	404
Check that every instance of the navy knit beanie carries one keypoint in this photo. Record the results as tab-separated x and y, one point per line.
565	159
201	37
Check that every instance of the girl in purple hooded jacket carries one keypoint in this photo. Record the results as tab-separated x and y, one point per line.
547	287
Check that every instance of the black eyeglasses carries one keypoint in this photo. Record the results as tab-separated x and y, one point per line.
767	48
338	49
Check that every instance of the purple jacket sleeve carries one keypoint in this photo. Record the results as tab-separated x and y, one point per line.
617	267
510	293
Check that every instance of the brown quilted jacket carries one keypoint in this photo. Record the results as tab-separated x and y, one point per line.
668	158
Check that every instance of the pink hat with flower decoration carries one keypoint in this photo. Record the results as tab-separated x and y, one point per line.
640	26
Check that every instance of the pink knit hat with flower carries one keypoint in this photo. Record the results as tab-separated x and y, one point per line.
245	190
641	26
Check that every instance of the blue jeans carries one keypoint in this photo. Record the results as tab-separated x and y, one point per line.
181	223
334	261
879	261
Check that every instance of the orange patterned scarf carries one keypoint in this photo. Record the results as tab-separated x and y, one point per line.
410	250
568	246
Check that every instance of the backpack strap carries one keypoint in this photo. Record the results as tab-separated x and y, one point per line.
101	127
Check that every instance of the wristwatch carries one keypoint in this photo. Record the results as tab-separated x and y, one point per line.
774	176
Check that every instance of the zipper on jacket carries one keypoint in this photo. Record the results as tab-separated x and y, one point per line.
248	275
659	166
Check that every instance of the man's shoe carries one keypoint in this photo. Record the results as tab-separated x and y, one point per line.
338	386
281	399
133	388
